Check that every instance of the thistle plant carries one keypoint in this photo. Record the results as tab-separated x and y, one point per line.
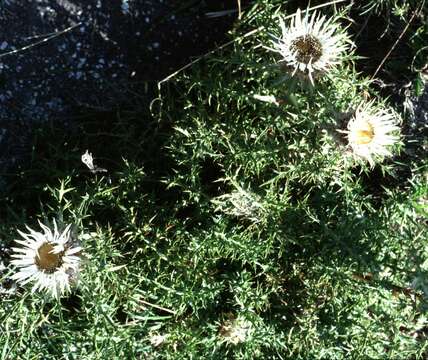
231	224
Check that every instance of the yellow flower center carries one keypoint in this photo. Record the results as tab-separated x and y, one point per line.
307	48
46	260
364	135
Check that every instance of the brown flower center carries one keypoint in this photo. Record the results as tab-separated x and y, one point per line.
307	47
364	135
46	260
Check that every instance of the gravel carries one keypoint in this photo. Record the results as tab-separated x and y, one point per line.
59	55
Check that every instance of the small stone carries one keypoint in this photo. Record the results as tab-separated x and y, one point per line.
82	62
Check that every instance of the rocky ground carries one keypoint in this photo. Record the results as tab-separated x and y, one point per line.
56	55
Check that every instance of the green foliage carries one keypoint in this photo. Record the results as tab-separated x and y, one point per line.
396	7
223	216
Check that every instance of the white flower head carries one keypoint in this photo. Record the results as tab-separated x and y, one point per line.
156	339
48	259
371	131
311	45
241	203
236	330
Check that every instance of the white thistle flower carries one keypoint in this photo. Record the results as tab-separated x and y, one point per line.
241	203
311	45
236	330
156	339
48	259
371	131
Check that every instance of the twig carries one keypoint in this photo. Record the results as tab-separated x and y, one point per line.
158	307
363	27
397	41
169	77
248	34
216	14
42	41
239	10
